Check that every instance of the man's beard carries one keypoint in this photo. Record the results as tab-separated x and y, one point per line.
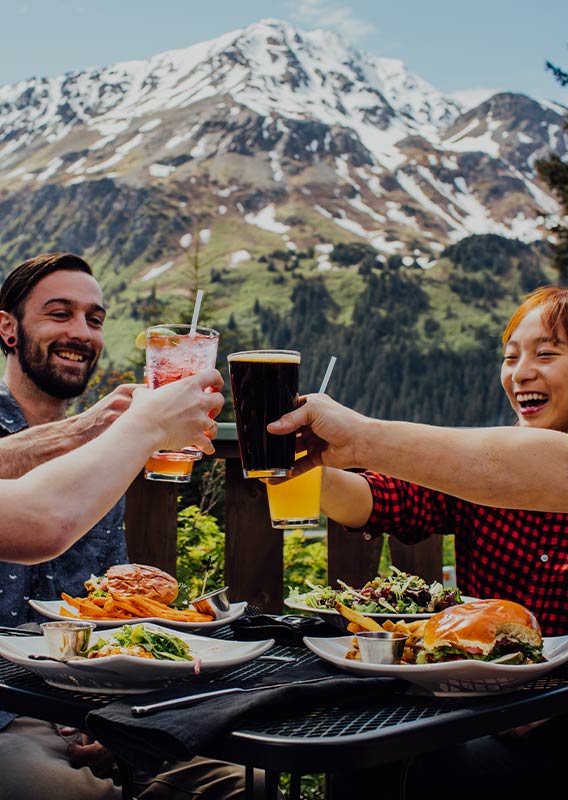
53	379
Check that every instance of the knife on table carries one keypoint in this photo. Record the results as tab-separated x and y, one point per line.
182	702
4	630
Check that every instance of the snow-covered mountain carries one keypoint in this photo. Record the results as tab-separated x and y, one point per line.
294	134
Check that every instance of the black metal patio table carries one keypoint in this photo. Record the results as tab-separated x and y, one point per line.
334	740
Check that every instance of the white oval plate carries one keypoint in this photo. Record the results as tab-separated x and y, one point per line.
329	613
456	678
51	609
125	674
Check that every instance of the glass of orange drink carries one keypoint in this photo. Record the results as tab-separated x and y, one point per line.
295	503
174	352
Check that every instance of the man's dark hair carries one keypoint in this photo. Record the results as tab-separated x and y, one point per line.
18	285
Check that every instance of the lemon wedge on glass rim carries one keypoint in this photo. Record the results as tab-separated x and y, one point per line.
158	330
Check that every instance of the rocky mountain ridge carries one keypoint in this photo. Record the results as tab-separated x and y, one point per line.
265	137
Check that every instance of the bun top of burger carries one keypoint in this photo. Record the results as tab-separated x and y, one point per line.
129	579
485	630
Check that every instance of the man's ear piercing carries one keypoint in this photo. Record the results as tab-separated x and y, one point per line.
10	341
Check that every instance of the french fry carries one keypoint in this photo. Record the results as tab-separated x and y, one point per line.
414	631
98	601
73	601
417	627
366	623
65	613
87	609
109	604
154	608
127	608
353	627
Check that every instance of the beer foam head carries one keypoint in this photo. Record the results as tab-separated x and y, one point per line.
266	356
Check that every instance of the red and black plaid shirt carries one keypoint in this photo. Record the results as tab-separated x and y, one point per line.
517	555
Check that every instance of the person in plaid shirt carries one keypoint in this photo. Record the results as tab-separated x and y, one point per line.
515	553
520	555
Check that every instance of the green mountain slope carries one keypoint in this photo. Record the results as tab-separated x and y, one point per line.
414	344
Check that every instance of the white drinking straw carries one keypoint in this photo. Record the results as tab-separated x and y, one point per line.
198	299
327	375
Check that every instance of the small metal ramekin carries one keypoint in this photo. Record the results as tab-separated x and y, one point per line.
215	603
381	647
66	639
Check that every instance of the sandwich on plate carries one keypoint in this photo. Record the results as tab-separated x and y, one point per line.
499	631
126	580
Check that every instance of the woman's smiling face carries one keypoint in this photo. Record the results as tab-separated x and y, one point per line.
534	374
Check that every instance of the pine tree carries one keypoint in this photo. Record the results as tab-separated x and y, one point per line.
554	172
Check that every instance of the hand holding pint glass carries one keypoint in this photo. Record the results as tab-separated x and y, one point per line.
295	503
264	385
174	352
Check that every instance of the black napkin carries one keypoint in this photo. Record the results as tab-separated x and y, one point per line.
288	630
180	733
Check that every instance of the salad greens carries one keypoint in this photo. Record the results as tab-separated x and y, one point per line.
399	593
161	645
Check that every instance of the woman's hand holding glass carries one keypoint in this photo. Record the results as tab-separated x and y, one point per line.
332	434
184	411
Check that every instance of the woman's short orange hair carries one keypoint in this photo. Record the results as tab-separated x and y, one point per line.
554	301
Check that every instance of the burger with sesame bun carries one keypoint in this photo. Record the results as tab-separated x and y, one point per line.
125	580
485	630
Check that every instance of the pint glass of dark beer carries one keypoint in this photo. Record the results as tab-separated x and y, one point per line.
264	384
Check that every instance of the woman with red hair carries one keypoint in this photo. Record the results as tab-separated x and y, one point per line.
520	555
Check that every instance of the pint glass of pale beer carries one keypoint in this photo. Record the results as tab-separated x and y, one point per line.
295	503
264	385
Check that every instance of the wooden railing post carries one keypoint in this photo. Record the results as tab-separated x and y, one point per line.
349	557
424	558
254	569
151	523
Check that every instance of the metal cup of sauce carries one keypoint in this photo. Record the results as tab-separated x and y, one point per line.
381	647
67	639
215	603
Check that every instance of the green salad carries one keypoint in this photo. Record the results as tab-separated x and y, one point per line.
157	643
399	593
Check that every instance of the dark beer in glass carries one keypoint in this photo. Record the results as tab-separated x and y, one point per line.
264	384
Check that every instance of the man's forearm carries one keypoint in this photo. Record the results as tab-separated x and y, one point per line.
39	525
20	452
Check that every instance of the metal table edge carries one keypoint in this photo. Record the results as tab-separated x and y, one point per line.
320	754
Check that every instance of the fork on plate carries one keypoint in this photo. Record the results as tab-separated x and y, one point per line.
253	611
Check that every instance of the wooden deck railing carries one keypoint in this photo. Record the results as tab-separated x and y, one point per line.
253	549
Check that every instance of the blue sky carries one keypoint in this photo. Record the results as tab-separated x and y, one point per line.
455	45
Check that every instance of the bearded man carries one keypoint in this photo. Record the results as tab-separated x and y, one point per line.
51	320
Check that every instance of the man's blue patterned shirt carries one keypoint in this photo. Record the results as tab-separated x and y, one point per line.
97	550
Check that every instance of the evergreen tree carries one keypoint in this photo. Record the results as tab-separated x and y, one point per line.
395	359
554	172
